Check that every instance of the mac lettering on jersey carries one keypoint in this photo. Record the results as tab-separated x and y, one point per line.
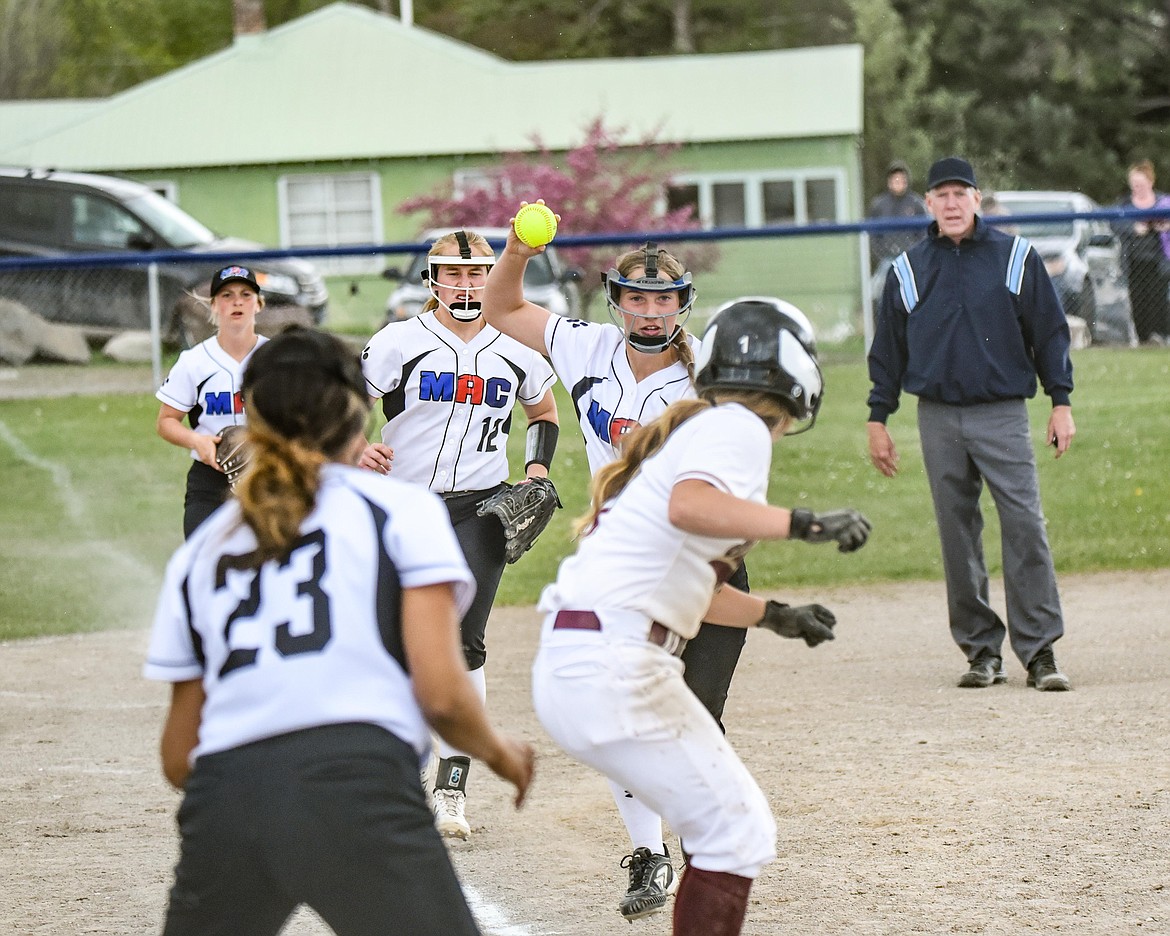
464	388
223	404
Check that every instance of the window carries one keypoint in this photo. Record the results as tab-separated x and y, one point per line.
164	187
779	202
729	204
333	211
99	224
764	199
467	182
28	214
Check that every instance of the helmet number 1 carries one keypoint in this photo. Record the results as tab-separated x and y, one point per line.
743	343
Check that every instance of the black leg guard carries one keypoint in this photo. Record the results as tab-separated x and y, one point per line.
452	773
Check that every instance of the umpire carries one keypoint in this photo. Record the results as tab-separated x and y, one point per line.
968	320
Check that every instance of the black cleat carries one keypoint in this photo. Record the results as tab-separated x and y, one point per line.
652	880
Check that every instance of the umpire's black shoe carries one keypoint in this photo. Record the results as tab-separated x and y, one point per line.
1044	675
985	671
652	879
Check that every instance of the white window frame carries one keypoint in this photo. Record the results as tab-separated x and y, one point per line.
337	266
167	188
753	183
470	182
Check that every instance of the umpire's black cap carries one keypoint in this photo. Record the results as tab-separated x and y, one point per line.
951	169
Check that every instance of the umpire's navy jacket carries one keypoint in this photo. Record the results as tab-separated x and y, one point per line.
969	323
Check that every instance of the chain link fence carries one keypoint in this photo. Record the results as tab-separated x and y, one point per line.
1110	269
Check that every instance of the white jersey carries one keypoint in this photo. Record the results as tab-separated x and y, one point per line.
205	384
635	560
590	359
316	640
448	404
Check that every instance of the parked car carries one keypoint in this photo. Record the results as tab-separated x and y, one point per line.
59	214
1083	259
546	281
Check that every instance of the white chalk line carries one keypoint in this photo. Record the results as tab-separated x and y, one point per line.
492	919
74	504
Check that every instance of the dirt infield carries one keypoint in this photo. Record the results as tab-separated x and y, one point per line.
905	805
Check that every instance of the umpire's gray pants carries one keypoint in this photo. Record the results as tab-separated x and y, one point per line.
962	447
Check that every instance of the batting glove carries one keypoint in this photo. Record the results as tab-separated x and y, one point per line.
848	528
813	623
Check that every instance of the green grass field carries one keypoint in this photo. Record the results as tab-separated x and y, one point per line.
92	500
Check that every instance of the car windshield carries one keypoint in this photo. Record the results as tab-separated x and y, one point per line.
172	224
1043	229
537	273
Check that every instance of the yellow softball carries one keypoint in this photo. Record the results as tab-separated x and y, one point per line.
535	224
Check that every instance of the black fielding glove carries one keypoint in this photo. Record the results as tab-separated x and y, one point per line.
848	528
524	509
813	623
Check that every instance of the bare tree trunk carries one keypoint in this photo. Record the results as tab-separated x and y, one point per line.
684	41
248	17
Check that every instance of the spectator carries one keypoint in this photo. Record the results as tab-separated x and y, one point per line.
897	201
1145	247
986	322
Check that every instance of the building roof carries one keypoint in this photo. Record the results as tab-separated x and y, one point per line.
347	82
20	120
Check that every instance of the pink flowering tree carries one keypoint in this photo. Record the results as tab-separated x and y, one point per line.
605	185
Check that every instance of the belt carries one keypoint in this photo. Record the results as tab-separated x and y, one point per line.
660	635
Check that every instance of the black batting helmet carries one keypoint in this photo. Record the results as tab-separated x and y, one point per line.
764	344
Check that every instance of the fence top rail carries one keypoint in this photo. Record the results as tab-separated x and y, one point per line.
60	260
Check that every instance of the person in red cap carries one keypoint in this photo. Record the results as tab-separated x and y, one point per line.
968	321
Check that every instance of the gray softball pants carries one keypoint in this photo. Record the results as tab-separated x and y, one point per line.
964	447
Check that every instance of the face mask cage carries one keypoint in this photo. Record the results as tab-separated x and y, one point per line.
650	282
469	310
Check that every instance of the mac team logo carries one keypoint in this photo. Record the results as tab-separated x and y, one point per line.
464	388
223	404
607	427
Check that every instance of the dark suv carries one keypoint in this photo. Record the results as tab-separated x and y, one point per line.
59	214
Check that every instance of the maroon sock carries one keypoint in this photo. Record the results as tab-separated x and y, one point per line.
710	903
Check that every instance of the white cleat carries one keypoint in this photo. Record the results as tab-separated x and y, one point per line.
449	818
426	776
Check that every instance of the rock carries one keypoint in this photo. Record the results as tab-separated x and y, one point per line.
131	347
65	343
20	332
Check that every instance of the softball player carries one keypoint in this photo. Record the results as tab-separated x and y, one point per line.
448	383
669	521
204	388
309	633
623	375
